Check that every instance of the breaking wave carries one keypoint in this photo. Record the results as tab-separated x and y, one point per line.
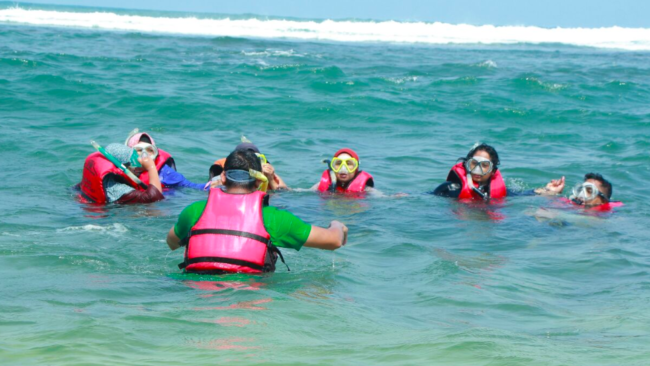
330	30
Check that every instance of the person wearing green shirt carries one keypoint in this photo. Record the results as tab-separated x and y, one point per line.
285	229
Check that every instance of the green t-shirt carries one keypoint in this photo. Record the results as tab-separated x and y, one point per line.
286	230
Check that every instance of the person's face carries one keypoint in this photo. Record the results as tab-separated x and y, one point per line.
482	178
599	200
345	175
150	149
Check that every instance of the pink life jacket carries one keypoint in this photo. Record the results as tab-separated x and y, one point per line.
358	184
605	207
96	169
230	236
163	158
497	185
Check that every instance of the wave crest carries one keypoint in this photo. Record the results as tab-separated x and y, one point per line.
343	31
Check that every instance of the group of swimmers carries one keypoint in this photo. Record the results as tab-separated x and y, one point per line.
235	230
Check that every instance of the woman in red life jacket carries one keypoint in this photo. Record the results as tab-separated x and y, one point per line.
103	182
344	175
477	177
165	164
235	230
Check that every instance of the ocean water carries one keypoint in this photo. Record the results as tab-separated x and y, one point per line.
423	279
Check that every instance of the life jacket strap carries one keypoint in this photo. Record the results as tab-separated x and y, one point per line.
237	262
244	234
275	249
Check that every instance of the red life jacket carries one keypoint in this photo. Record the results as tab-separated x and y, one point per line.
163	158
358	184
96	169
230	236
497	185
605	207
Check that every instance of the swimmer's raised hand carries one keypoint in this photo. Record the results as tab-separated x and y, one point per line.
554	187
147	163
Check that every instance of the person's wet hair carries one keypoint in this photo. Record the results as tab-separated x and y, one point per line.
242	160
494	156
604	183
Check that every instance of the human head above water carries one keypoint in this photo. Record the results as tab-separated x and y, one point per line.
124	155
604	187
247	146
346	175
482	151
236	168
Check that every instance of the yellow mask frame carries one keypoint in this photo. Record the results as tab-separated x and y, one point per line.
262	158
261	177
351	164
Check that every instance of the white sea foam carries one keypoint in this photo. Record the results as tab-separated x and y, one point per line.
488	64
344	31
113	230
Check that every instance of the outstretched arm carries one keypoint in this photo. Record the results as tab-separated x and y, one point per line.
332	238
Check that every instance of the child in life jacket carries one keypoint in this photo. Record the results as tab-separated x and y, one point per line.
103	182
169	177
477	177
236	230
344	175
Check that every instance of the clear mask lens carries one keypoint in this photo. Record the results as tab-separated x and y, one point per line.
479	165
585	191
150	149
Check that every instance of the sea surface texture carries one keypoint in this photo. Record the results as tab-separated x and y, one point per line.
423	280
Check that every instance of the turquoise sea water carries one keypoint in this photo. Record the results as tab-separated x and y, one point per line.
423	279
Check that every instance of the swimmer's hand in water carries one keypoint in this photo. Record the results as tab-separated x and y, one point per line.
554	187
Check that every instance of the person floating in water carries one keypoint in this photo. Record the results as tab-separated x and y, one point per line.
165	164
105	182
594	193
344	175
236	231
275	181
477	177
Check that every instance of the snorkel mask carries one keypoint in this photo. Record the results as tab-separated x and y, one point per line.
343	164
133	161
243	176
478	165
584	192
143	148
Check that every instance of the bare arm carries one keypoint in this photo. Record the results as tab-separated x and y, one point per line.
154	179
331	238
173	241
